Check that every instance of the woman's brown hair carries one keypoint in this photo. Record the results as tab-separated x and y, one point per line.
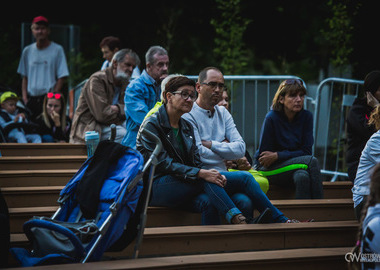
291	87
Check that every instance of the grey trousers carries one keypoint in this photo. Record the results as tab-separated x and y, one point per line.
307	183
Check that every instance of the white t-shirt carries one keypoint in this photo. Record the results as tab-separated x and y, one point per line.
42	67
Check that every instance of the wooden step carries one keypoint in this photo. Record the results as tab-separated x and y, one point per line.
292	259
186	240
41	162
31	196
42	149
233	238
27	180
331	190
33	178
48	195
320	210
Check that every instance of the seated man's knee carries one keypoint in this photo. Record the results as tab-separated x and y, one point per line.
243	203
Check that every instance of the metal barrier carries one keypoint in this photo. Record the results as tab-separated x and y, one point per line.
333	99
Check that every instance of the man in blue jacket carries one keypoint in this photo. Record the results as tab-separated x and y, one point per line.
142	93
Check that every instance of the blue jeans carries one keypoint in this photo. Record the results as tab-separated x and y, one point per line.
171	192
241	195
243	183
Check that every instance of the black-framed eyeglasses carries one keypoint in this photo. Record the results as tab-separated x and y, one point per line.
213	85
293	81
185	95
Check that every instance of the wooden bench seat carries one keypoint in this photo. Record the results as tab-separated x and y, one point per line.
292	259
320	210
185	240
42	149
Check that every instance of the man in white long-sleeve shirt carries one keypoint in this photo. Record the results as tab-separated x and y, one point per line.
218	140
215	131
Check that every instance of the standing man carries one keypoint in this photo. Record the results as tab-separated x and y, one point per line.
42	66
142	93
101	102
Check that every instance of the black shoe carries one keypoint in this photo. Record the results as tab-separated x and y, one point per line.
263	218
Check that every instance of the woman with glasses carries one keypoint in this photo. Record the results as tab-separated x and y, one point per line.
53	124
180	182
285	150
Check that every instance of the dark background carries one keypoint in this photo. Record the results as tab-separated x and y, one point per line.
283	37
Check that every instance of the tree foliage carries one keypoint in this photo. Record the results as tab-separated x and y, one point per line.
229	46
339	32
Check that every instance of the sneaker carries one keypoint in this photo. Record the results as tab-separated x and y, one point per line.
264	218
292	221
297	221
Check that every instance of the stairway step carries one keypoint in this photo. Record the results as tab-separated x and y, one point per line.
186	240
30	178
292	259
320	210
42	149
41	162
331	190
31	196
234	238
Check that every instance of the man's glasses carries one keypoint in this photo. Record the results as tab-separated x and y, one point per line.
185	95
213	85
293	81
53	95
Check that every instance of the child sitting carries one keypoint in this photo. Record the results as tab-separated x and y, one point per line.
9	114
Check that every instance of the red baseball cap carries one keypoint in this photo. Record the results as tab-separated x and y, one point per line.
40	20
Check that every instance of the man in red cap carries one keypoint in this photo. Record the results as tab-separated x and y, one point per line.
42	66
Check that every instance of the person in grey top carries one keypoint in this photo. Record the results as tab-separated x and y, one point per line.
218	140
43	67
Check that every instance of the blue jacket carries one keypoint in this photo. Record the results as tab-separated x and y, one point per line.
287	139
140	96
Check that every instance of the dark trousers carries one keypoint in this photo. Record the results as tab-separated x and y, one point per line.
35	106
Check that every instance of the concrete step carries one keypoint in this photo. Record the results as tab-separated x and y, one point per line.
320	210
186	240
292	259
41	162
42	149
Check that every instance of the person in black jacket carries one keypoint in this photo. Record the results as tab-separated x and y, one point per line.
358	130
180	182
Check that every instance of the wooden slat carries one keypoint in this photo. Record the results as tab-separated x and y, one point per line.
41	162
318	258
42	149
320	210
29	178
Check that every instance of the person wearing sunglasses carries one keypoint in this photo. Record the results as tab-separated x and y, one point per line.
218	140
180	180
101	102
53	124
285	154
